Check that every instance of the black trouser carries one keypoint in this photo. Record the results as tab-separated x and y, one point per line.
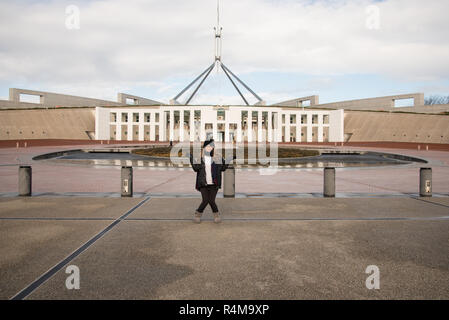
208	194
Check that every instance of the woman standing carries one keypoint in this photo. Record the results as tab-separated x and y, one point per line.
208	180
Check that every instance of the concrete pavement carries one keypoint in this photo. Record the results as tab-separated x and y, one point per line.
279	248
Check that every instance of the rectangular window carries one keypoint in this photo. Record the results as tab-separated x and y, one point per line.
244	118
124	117
167	118
30	98
221	114
303	119
265	119
113	117
293	119
314	119
157	117
404	102
130	101
254	116
135	117
147	117
186	117
326	119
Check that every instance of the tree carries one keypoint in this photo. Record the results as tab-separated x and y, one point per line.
435	99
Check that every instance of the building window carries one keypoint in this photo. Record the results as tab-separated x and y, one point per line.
157	117
283	119
147	117
303	119
167	118
326	119
244	117
265	119
124	117
135	117
113	117
293	119
314	119
255	116
186	117
176	117
221	115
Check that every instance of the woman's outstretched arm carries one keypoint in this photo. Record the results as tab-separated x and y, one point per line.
195	167
225	163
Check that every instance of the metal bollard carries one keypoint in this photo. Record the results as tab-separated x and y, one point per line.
425	182
25	181
229	183
329	182
127	182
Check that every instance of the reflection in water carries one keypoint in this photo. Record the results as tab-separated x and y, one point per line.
165	163
324	160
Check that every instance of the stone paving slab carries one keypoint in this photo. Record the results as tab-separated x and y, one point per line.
67	207
442	201
263	260
30	248
294	208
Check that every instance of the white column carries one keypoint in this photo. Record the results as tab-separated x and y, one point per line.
130	126
239	129
287	127
202	130
118	131
170	138
118	127
259	125
162	128
227	128
309	127
214	129
320	128
298	127
141	126
192	125
153	128
181	125
270	131
250	126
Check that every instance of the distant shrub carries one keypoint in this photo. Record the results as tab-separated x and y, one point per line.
436	100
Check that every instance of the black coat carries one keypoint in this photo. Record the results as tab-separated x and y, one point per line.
200	169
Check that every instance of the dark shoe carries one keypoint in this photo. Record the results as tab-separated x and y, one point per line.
197	217
217	218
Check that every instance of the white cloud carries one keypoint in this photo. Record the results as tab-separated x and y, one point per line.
126	43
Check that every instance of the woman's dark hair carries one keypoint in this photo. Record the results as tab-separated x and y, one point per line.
206	143
211	152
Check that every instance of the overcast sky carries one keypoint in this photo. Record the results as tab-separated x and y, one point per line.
281	48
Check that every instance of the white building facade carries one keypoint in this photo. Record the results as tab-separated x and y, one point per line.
223	123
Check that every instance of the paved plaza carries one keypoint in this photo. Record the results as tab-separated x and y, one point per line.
279	239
